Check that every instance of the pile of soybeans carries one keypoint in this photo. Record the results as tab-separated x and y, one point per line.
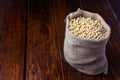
87	28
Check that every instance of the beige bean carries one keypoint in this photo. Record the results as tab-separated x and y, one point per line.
87	28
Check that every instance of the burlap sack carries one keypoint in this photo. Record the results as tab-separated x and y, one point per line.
86	55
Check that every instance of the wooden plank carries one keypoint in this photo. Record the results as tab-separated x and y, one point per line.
12	39
43	60
60	13
113	52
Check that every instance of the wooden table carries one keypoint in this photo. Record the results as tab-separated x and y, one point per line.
32	36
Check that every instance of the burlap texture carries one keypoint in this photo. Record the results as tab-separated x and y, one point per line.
86	55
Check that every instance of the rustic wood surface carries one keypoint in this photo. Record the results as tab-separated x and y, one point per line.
43	59
12	39
32	37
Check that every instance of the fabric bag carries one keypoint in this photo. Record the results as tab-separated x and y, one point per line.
86	55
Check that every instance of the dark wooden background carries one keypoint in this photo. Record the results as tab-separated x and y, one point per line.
32	36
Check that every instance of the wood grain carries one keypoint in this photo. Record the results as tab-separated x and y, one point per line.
43	60
12	39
